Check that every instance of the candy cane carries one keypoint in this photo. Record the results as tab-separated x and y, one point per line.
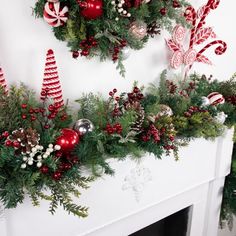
193	15
3	81
218	51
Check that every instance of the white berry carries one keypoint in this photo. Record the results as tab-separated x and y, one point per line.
25	158
49	150
119	5
30	162
129	15
32	154
57	147
50	145
39	164
120	10
23	166
113	2
39	157
45	155
125	12
34	149
116	18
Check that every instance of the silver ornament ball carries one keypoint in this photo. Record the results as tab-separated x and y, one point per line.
83	126
126	53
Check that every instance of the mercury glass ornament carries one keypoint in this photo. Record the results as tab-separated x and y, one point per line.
83	126
220	117
205	101
138	29
126	53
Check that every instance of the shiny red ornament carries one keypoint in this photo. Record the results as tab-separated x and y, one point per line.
91	9
68	139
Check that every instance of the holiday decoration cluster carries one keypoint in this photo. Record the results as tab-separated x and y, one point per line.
43	150
109	28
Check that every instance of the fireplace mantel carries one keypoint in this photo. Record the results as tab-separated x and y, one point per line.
138	195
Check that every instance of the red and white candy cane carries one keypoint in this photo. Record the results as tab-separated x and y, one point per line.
51	87
3	81
190	13
218	51
216	98
55	14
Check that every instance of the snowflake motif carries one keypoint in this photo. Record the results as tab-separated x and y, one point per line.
136	181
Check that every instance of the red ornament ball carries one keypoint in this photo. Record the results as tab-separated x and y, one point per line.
68	139
91	9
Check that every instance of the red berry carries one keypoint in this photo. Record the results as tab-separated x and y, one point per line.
51	108
8	143
136	90
75	54
23	116
44	169
111	93
172	138
46	126
56	175
187	114
67	166
33	118
75	160
176	4
36	110
163	11
85	53
24	106
5	134
31	111
16	144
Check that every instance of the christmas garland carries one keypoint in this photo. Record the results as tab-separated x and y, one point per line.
109	28
42	150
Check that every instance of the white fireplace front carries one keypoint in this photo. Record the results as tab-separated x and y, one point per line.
139	195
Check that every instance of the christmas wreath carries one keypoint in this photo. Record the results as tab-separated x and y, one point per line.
109	28
43	150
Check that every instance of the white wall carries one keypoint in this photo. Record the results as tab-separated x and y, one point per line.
24	41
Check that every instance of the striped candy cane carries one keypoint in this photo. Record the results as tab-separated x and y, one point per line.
218	51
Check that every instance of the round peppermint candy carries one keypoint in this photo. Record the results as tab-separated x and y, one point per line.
55	14
176	59
216	98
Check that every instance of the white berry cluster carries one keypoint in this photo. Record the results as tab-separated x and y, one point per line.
119	7
37	155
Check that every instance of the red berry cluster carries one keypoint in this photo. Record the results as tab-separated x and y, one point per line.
134	97
169	147
86	46
231	99
193	110
66	164
163	11
116	111
8	142
117	50
116	128
153	133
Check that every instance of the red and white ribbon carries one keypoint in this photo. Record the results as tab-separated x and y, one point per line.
2	80
54	14
51	87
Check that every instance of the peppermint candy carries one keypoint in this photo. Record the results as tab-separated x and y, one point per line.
54	14
176	59
216	98
189	56
179	34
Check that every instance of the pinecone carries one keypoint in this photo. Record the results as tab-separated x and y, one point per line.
137	126
25	138
153	29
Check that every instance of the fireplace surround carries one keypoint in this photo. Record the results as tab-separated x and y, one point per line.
139	195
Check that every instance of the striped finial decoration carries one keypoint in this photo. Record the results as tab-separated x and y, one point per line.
51	85
2	80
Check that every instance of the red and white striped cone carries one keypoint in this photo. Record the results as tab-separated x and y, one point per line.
216	98
3	81
51	87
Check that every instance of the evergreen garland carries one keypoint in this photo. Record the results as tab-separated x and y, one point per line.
32	161
107	34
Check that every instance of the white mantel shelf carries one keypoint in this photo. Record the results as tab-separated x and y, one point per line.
139	195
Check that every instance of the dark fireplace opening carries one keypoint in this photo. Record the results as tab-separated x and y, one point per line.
173	225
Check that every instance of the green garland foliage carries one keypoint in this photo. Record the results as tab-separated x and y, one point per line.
107	35
129	124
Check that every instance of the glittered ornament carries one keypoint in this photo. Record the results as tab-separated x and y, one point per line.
220	117
216	98
68	139
83	126
205	101
55	14
164	110
91	9
126	53
138	29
